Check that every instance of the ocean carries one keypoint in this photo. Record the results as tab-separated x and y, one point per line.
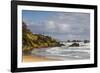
63	53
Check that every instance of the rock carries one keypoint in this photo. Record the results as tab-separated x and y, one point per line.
31	40
74	45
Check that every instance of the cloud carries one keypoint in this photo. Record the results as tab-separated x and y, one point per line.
64	26
50	25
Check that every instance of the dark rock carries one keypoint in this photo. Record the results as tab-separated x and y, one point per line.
74	45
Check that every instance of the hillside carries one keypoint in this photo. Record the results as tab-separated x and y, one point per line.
31	41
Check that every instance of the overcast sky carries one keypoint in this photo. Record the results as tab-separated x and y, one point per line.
60	25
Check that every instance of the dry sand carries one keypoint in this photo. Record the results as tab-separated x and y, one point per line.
29	58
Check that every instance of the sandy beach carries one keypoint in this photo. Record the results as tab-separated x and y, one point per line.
29	58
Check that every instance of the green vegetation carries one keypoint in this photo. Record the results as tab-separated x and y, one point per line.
31	41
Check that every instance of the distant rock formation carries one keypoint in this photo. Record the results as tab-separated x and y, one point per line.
75	45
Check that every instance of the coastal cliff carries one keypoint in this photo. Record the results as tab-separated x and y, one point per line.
31	40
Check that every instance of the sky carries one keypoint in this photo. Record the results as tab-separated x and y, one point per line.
59	25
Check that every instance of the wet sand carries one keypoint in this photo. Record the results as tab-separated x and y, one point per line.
29	58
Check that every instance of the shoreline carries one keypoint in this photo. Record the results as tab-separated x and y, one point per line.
30	58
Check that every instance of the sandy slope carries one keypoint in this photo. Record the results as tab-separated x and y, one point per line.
29	58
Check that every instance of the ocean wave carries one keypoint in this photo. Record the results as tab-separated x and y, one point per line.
63	53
